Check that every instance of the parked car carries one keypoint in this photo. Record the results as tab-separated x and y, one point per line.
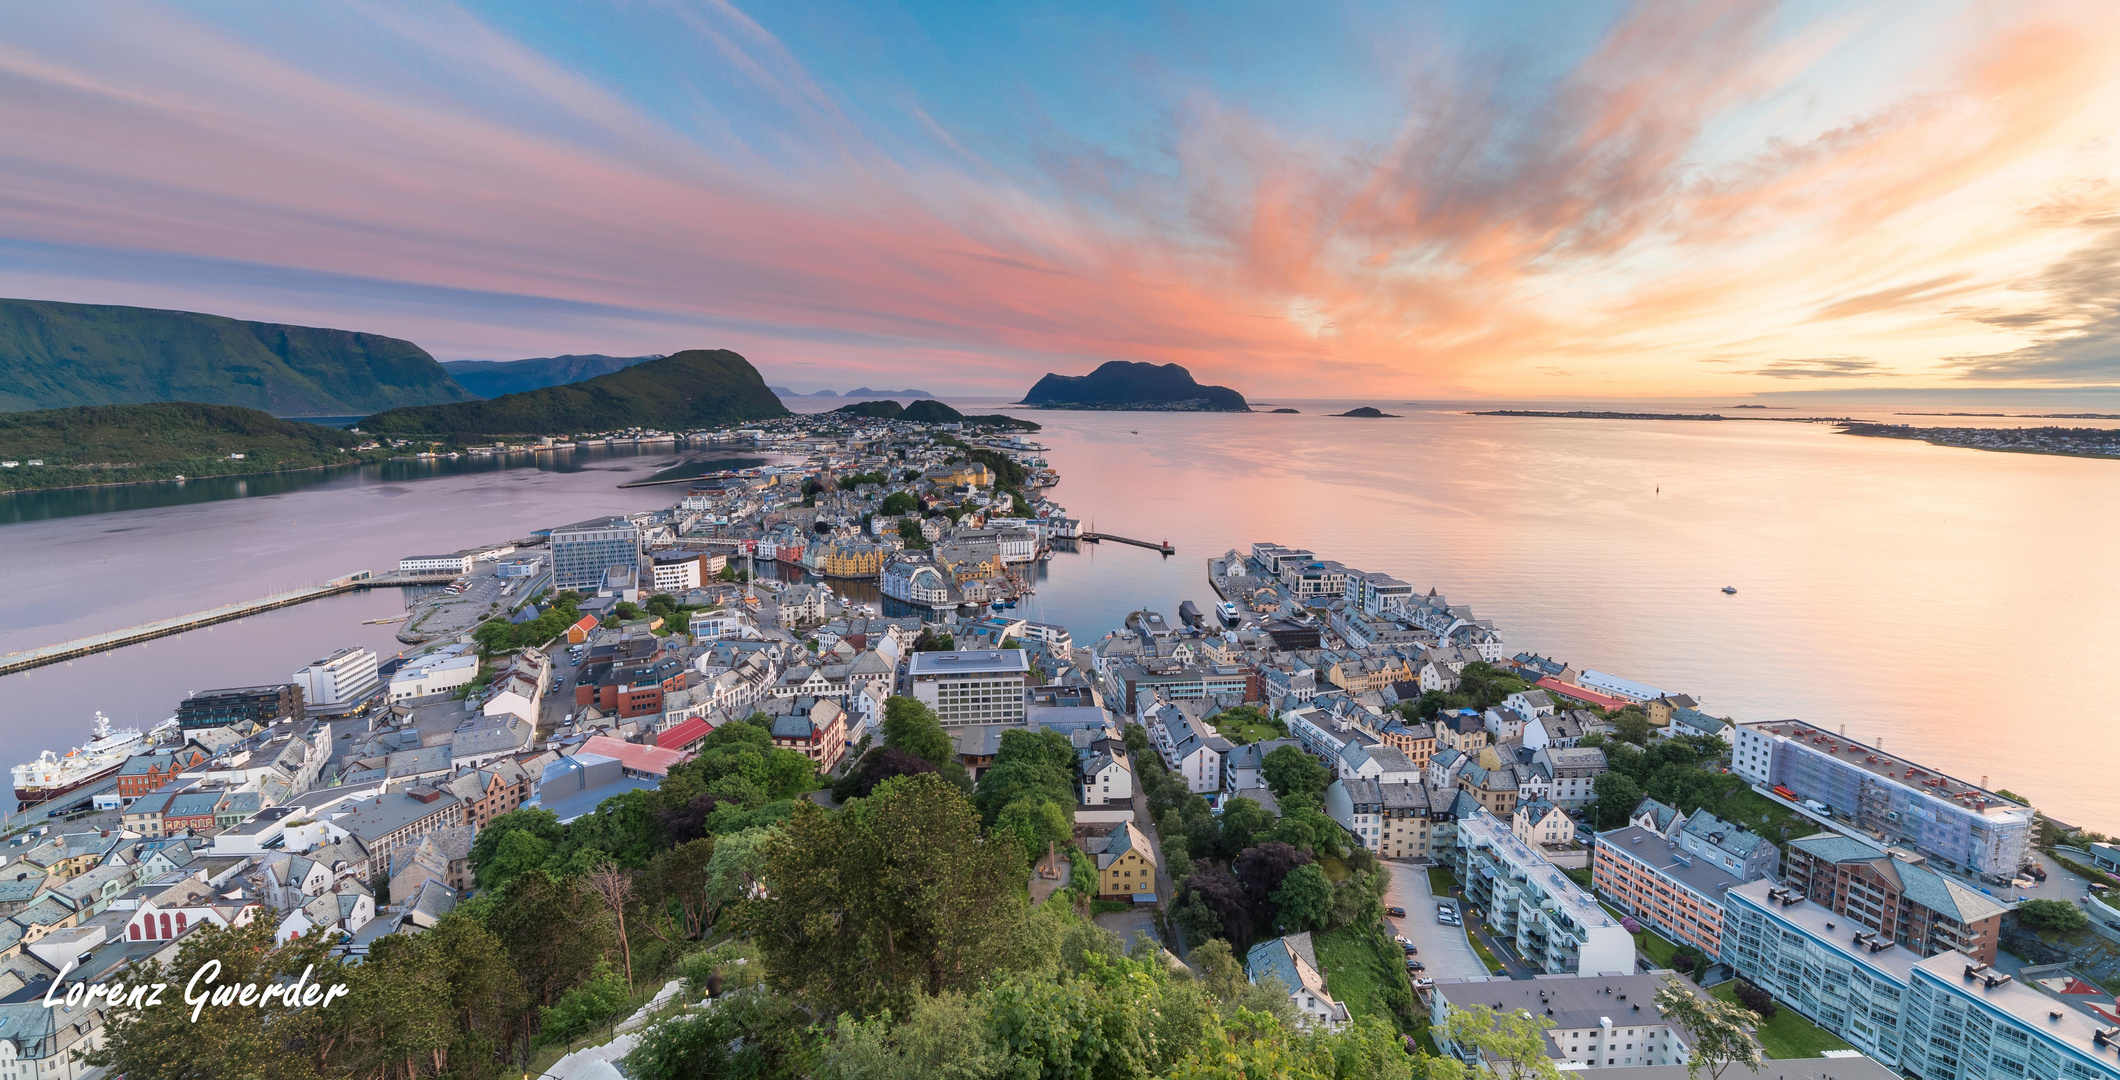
1416	965
1395	912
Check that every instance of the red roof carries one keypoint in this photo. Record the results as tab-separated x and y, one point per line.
1570	690
653	760
684	736
585	623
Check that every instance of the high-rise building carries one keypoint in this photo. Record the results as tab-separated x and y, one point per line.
1965	827
581	552
1895	896
984	687
343	678
258	704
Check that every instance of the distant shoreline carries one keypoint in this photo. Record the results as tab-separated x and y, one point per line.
1598	415
2050	441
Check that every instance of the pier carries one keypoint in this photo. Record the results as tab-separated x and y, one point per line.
1095	538
115	639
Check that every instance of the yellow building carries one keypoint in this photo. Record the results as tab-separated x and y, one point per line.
1367	673
1126	867
853	560
968	472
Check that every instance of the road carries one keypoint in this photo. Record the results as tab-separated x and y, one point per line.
1443	948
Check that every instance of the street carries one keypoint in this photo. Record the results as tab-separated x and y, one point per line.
1443	948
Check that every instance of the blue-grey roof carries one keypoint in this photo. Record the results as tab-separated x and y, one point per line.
1733	838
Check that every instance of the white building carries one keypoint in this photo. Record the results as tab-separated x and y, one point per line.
1592	1021
1618	687
1107	777
434	673
436	564
342	678
1551	922
1294	962
1189	745
984	687
678	571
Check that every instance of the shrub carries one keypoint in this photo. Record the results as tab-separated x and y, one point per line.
1757	1000
2059	916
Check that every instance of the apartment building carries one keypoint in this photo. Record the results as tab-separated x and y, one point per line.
1943	1017
343	678
1895	897
1962	826
1728	846
459	563
238	704
581	552
1574	771
1648	876
1592	1021
1390	819
1550	921
984	687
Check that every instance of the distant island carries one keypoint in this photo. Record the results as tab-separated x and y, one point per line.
492	378
1124	385
129	444
55	355
697	388
1368	413
1603	415
1288	410
2066	442
930	411
857	392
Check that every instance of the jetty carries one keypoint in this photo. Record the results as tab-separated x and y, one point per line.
115	639
1096	538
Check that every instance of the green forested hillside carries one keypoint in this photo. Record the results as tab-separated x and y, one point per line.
110	444
492	378
55	355
693	389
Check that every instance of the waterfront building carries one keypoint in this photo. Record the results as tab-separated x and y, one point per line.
1894	896
581	552
1550	921
915	583
1592	1021
1961	826
1627	689
343	678
1646	874
434	673
984	687
235	705
459	563
1817	963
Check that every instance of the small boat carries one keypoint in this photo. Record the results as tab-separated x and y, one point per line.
1730	589
1137	431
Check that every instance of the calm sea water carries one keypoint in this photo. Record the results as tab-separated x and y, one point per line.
1919	595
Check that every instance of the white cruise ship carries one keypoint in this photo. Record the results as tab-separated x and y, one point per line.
52	775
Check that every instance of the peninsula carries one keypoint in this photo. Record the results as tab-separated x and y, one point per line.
1123	385
930	411
55	355
697	388
126	444
2065	441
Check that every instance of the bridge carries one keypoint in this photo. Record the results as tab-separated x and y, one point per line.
1096	537
115	639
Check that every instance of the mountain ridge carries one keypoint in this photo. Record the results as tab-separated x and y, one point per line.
493	378
688	390
55	354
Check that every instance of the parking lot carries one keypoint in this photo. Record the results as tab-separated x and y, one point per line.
1443	948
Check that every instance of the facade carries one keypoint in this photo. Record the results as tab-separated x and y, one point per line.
1390	819
985	687
1896	898
677	571
1541	824
343	678
1592	1021
1189	745
1126	868
1966	828
436	564
1107	778
1574	771
1552	923
434	673
1819	965
1646	875
820	733
581	552
1729	847
255	704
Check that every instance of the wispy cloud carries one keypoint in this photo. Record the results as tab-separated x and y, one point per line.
1702	181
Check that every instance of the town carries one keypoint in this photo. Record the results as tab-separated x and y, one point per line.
703	778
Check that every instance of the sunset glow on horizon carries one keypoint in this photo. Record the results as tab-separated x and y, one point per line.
1434	200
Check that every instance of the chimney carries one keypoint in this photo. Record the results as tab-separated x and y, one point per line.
1983	781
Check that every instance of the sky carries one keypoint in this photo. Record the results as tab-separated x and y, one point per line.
1313	200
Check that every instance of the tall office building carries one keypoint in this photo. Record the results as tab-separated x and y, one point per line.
342	678
581	552
984	687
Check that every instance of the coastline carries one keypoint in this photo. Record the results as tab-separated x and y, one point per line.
203	476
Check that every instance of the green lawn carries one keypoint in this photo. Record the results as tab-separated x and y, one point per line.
1764	816
1105	907
1334	867
1243	734
1486	954
1441	881
1358	969
1788	1035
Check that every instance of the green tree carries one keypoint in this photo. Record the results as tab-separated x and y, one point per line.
899	504
1718	1032
586	1007
1304	899
513	844
1617	796
2057	916
555	931
917	894
1291	769
1039	766
673	891
752	1033
1631	725
909	725
1242	823
1512	1045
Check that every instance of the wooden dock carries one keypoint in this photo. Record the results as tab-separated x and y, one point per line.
1097	538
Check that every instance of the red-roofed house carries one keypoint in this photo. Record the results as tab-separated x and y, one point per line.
684	736
1583	694
580	631
636	758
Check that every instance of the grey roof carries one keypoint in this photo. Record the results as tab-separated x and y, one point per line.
1698	720
1575	757
1855	1067
1574	1001
1730	837
1664	815
984	662
1400	796
1918	883
1704	879
1275	958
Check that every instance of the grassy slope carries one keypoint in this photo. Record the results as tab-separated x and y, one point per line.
55	355
122	443
1788	1035
1356	971
694	389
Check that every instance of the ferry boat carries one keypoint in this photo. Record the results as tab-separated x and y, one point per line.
1229	612
52	775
